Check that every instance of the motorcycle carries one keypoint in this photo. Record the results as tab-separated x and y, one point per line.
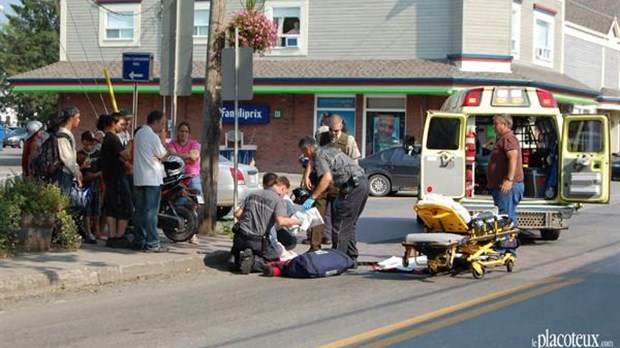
178	219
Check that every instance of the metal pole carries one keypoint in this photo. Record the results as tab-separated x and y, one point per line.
236	152
175	91
134	107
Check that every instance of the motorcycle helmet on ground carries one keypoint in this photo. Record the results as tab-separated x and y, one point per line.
301	195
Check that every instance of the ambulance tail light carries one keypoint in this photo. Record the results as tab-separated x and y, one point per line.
546	99
472	97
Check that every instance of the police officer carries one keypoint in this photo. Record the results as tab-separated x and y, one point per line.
334	166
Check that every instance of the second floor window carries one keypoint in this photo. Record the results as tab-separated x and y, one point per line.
119	26
292	20
288	21
543	38
201	23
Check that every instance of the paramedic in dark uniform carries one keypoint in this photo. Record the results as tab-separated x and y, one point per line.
334	166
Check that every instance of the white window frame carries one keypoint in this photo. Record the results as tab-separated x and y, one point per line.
199	39
104	10
515	30
302	39
543	55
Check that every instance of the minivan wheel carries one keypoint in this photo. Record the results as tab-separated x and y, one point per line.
549	234
379	185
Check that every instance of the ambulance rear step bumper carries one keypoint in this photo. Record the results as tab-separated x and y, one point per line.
532	216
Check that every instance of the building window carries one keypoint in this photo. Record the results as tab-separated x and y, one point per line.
385	123
342	105
515	30
201	23
202	11
543	38
119	25
291	18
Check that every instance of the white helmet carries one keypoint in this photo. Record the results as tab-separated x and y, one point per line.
33	127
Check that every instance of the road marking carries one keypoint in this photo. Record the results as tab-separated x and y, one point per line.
535	288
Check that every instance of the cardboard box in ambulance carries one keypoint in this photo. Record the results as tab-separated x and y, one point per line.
565	158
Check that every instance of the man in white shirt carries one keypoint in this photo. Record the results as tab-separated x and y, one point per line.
148	175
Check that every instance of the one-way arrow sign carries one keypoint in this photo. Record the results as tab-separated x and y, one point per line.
137	67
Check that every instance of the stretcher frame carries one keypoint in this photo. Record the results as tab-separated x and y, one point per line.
450	238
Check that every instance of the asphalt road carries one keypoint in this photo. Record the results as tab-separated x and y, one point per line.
10	161
557	288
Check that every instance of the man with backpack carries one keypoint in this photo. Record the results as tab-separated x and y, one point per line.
69	120
56	159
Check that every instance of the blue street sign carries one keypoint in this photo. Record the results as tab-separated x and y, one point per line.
137	67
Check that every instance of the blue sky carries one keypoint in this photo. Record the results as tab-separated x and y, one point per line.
6	7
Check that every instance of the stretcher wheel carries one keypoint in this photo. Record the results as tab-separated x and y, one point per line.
510	264
478	274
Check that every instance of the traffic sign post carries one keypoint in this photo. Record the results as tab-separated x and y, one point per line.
137	67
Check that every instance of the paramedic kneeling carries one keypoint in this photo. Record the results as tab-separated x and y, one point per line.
334	166
259	213
505	170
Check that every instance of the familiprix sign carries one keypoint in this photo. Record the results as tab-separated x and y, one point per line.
248	113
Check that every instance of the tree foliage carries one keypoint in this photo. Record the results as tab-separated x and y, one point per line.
29	41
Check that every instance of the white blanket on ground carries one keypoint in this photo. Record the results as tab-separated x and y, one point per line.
395	263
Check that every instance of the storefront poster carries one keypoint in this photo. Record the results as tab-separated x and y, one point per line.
386	131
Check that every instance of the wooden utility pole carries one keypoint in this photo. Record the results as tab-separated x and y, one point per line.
211	113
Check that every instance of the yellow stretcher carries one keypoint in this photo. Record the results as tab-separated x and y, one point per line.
455	239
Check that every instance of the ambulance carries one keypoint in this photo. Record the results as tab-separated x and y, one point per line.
566	158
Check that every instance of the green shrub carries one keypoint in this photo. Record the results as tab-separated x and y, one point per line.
41	200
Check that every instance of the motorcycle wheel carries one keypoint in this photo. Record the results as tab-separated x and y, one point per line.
189	227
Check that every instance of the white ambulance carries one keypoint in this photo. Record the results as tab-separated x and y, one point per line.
566	158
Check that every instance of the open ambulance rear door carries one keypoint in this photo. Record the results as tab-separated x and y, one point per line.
585	159
443	155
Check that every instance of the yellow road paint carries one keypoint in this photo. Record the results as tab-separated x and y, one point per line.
535	289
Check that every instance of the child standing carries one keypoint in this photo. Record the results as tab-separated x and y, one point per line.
88	160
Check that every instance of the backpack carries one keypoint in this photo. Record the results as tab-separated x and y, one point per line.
46	164
319	263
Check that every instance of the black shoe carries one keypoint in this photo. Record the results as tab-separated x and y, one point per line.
306	241
247	261
326	241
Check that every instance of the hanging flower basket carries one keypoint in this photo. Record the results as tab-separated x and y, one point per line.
255	30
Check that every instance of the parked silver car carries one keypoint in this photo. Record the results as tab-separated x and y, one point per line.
248	180
16	138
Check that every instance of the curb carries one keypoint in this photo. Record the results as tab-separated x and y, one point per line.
71	279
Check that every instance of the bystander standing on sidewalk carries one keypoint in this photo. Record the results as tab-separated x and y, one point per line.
117	196
148	154
69	120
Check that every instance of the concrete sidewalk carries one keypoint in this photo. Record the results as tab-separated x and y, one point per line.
93	265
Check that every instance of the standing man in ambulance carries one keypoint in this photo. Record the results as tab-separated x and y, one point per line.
505	170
